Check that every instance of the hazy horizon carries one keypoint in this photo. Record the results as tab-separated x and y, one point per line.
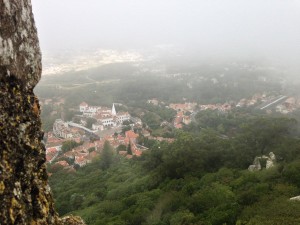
227	28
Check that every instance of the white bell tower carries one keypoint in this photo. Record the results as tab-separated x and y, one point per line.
113	110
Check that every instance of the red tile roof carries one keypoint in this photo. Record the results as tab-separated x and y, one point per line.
131	134
51	150
63	163
83	104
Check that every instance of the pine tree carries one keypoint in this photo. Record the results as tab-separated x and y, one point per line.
106	156
129	151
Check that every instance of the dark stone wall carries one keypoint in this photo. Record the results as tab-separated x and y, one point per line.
25	194
25	197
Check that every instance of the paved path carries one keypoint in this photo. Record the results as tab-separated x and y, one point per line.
82	127
274	102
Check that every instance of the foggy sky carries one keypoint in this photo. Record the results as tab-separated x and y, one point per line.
266	28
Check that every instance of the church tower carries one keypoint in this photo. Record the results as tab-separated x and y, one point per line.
113	110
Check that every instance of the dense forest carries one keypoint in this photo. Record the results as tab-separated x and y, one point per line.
201	178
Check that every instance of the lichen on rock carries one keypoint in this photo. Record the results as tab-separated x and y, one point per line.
25	196
19	46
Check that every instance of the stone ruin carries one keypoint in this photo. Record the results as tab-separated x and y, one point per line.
270	162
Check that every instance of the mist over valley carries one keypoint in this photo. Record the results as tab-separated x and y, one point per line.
172	112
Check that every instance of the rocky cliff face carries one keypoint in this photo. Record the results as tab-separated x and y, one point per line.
25	196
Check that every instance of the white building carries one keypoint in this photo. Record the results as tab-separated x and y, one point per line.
122	116
87	110
61	129
83	106
108	121
98	126
104	116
